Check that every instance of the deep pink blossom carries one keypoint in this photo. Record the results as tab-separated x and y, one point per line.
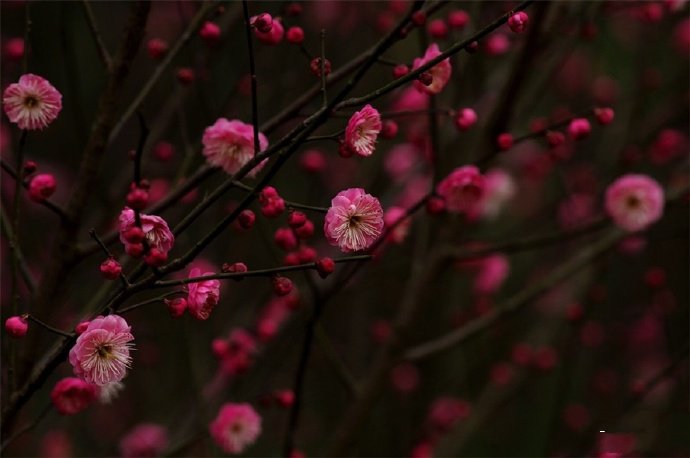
156	231
634	202
202	296
362	131
272	36
440	73
32	103
101	353
462	189
493	271
144	440
354	221
71	395
42	186
236	427
230	145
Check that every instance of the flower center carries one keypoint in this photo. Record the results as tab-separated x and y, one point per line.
105	351
30	101
236	427
633	202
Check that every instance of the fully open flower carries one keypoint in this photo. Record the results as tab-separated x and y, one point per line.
156	230
101	354
230	145
32	103
362	130
203	296
634	202
354	221
440	73
71	395
236	427
462	189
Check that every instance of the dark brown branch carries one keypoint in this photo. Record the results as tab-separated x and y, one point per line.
98	40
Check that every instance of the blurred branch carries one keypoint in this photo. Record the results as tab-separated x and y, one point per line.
28	427
29	280
252	74
102	50
45	203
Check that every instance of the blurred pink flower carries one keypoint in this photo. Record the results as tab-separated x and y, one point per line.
71	395
236	427
362	130
202	296
144	440
493	271
391	217
230	145
440	73
462	189
354	221
101	353
446	411
634	202
32	103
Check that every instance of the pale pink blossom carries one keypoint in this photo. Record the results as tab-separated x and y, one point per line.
156	230
499	189
230	145
462	189
440	73
101	353
354	221
236	427
362	131
32	103
634	202
202	296
144	440
71	395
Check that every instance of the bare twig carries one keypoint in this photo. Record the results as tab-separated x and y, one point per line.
102	50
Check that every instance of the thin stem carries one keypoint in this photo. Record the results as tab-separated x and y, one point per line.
150	301
252	73
324	96
29	280
102	50
47	326
107	252
288	203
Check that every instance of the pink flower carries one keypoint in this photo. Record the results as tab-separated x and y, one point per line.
230	145
236	427
202	296
156	230
144	440
493	271
101	354
354	221
634	202
273	36
392	216
462	189
32	103
236	353
362	129
41	187
499	190
72	395
440	73
445	411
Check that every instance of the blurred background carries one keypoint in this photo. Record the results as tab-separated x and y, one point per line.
605	350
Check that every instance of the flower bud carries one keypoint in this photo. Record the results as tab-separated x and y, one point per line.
42	187
110	269
16	326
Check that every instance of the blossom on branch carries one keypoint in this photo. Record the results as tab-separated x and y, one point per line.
354	221
440	73
230	145
32	103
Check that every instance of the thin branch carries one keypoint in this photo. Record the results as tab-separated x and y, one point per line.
107	252
45	203
28	277
252	74
288	203
102	50
324	96
150	301
57	331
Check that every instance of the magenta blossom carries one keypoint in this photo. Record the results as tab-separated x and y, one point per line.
230	145
440	73
236	427
72	395
354	221
362	130
144	440
634	202
101	354
156	230
32	103
462	189
202	296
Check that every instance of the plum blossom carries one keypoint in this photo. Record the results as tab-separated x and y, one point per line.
634	202
71	395
101	353
236	427
462	189
440	73
354	221
32	103
230	145
362	130
156	230
202	296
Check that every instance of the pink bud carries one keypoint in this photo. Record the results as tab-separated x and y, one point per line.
185	75
16	326
457	19
157	48
325	267
137	198
291	259
176	307
296	219
295	35
312	161
263	22
466	118
29	167
274	35
134	250
518	22
235	267
110	269
389	130
81	327
282	285
285	238
579	128
306	230
604	115
472	47
555	138
284	398
438	29
246	219
400	70
315	66
210	33
504	141
306	254
155	257
435	205
134	234
164	151
293	9
14	49
418	18
41	187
